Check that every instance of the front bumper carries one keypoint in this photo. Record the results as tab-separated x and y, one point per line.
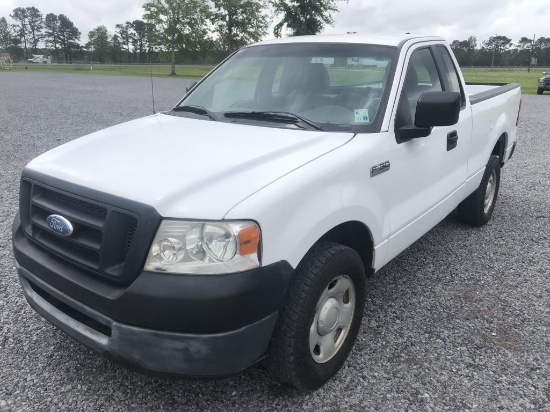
199	326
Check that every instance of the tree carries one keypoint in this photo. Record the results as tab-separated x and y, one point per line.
524	51
5	35
542	51
498	44
460	49
21	26
36	24
464	51
176	24
98	42
205	46
116	50
302	17
239	22
125	33
69	36
196	43
51	33
140	38
524	43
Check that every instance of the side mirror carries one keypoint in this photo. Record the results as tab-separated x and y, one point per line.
437	109
190	86
432	109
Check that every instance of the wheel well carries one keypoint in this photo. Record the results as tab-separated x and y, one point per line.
500	148
356	236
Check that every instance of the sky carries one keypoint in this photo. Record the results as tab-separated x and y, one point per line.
451	19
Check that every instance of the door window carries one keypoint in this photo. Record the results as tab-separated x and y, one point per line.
450	72
422	76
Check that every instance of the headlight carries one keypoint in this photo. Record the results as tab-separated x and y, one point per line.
204	247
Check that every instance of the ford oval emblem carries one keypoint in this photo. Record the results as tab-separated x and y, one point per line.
59	225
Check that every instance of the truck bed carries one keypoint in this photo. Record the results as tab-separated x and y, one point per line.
479	92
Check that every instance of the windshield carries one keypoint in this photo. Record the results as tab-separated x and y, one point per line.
338	87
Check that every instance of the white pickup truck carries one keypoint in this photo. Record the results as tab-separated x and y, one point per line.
39	58
239	227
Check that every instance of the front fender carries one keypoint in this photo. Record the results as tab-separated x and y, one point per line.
295	211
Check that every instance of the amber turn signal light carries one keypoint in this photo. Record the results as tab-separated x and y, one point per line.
249	237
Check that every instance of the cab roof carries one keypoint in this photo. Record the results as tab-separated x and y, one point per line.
384	40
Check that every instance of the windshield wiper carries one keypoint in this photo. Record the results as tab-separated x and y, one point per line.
196	110
278	117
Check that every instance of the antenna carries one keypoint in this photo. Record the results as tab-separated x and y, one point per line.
152	84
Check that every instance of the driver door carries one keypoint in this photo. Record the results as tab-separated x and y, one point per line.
428	173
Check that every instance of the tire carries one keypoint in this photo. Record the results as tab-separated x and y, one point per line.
540	90
477	209
300	352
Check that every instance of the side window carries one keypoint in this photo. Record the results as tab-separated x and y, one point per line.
450	71
422	76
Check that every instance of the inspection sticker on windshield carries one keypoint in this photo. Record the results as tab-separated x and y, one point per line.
362	116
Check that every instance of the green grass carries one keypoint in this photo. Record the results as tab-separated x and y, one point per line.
159	70
528	81
341	77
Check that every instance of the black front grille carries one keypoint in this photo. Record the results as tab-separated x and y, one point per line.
62	199
130	237
102	234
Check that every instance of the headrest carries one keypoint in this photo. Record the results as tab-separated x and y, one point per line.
314	78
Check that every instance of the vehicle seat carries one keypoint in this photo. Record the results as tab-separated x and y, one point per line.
406	110
412	91
310	86
314	79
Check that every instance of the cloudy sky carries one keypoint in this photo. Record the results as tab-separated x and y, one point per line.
456	19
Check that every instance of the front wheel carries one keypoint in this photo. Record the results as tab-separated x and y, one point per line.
321	317
540	90
477	209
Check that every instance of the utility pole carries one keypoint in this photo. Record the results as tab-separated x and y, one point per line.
494	49
531	55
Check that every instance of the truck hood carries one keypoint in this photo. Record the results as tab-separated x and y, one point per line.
185	168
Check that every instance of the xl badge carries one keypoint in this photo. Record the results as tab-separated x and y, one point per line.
59	225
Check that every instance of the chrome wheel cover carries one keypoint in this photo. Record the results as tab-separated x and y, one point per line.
333	318
490	192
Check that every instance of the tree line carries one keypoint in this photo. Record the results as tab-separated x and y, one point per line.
29	29
178	31
169	31
501	51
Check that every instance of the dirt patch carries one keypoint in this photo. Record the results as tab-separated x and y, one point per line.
505	339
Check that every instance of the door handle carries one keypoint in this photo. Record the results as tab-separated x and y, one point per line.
452	140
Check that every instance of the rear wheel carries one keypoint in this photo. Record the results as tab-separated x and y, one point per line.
321	317
477	209
540	90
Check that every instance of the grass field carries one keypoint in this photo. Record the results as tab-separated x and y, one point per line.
528	81
158	70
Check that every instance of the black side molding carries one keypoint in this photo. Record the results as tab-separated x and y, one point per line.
480	97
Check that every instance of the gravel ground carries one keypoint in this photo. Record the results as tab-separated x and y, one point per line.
460	321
